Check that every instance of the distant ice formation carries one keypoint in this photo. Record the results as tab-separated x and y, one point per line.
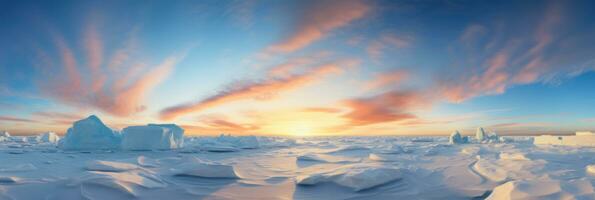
579	139
4	134
480	134
90	134
50	137
456	138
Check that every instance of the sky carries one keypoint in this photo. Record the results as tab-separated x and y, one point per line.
300	68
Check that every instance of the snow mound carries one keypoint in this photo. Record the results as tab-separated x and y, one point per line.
150	138
146	162
357	177
590	169
394	149
49	137
9	180
2	138
544	189
90	134
382	157
109	166
19	168
199	168
513	156
326	158
456	138
128	183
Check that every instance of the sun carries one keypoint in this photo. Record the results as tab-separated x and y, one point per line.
301	129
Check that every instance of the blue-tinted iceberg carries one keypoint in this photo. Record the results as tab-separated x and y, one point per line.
90	134
152	137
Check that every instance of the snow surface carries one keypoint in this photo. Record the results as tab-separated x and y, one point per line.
306	168
580	139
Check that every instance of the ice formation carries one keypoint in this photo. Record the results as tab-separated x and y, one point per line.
456	138
199	168
4	134
177	131
357	177
152	137
109	166
480	134
579	139
50	137
90	134
228	143
544	189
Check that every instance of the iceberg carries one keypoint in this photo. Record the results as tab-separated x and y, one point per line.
151	138
579	139
176	130
480	134
4	134
456	138
90	134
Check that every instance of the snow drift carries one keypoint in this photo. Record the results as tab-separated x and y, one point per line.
357	177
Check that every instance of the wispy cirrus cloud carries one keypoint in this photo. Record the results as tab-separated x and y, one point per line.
316	19
392	106
16	119
377	47
385	79
521	59
256	89
92	83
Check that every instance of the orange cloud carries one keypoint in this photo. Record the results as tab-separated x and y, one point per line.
253	90
322	110
391	106
15	119
319	18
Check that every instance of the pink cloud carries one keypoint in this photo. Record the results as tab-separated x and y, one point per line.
377	47
393	106
15	119
318	19
119	94
386	79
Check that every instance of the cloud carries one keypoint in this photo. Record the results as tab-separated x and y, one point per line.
254	90
386	79
322	110
521	59
392	106
377	47
119	94
16	119
317	19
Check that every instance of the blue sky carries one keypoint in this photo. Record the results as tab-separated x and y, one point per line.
299	67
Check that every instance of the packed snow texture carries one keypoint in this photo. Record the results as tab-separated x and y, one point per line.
200	168
90	134
544	189
151	138
109	166
356	177
249	167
